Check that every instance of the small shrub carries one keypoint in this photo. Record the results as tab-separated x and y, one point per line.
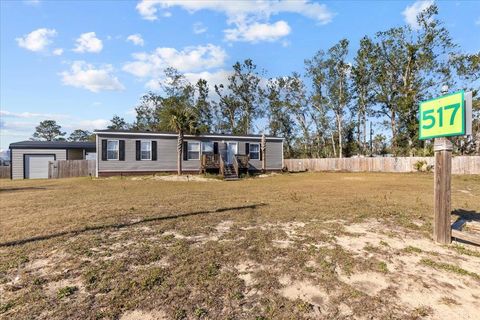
382	267
154	277
213	269
39	281
384	243
422	166
238	295
180	314
423	311
200	312
66	291
449	267
411	249
462	250
6	306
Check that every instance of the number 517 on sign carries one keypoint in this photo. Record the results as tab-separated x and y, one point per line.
444	116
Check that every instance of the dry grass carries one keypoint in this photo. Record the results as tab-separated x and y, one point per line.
325	245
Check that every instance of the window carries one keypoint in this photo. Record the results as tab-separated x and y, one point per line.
194	151
112	150
146	150
254	151
207	147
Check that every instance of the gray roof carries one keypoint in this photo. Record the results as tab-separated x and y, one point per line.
52	145
189	135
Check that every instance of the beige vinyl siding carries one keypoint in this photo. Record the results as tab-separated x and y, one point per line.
167	154
17	158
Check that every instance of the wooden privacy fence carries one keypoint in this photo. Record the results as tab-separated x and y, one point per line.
460	165
4	172
71	168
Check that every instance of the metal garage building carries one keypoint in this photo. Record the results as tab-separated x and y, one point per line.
29	159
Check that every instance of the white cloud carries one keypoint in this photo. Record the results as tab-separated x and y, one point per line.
243	15
88	42
411	12
234	9
136	39
29	115
86	76
58	52
199	28
32	2
90	124
187	60
256	32
37	40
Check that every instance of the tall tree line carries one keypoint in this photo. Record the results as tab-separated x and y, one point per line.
324	110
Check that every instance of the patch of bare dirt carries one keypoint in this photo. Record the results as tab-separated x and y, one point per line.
370	283
415	284
310	292
143	315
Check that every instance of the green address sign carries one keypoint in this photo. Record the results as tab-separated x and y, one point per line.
443	117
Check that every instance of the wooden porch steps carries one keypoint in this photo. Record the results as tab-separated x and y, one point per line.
230	174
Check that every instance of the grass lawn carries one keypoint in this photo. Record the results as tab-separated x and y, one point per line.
289	246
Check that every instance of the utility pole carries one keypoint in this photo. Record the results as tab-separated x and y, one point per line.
371	140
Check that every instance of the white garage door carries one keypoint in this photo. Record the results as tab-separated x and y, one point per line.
36	166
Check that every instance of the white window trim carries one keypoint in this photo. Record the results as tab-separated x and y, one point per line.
149	141
250	151
118	150
199	150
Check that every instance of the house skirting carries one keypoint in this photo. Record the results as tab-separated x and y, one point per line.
143	173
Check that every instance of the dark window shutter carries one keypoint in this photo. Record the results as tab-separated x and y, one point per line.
137	149
185	150
104	149
154	150
121	153
215	148
247	148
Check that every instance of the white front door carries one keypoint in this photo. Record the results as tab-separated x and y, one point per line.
232	150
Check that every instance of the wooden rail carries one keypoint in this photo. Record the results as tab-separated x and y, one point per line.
243	160
210	161
235	165
222	166
460	164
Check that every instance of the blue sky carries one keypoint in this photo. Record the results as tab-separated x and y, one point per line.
80	62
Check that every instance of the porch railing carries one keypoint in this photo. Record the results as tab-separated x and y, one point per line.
236	165
210	161
222	165
243	160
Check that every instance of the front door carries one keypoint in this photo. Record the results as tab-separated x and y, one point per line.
232	150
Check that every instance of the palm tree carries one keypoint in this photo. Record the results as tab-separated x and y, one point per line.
181	119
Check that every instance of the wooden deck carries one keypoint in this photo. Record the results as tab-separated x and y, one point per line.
239	165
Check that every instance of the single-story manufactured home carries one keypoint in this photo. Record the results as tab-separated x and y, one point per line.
29	159
125	152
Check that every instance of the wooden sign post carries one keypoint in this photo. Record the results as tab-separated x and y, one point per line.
442	191
439	118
